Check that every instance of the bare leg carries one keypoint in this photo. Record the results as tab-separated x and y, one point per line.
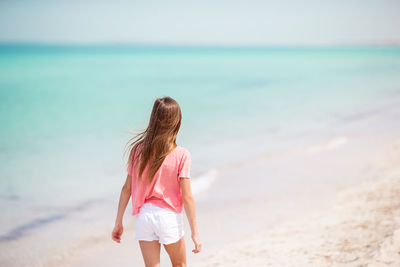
150	252
177	253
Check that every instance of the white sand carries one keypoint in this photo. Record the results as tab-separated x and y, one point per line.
360	228
283	211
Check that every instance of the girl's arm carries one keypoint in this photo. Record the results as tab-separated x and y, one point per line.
190	210
123	201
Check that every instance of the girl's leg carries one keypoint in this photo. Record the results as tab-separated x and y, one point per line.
177	253
151	252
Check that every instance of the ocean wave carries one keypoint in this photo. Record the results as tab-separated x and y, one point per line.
203	181
330	144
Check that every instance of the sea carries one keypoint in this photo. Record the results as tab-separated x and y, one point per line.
67	112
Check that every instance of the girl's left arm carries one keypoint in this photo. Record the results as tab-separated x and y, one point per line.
123	201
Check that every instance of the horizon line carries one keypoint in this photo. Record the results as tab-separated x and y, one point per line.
193	45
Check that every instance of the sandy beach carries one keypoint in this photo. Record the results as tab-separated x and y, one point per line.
361	227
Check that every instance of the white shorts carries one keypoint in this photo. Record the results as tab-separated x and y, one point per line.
156	223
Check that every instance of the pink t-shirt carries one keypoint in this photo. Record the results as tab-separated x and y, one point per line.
164	191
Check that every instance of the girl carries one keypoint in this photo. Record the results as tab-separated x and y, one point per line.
159	181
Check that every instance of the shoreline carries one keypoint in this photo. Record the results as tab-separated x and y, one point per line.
291	200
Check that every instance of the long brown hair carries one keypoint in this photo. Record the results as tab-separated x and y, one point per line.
156	140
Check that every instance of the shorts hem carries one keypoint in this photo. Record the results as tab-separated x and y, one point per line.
173	241
145	239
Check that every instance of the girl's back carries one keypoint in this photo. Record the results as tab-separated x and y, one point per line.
164	190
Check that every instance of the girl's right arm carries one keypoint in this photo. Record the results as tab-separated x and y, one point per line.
190	210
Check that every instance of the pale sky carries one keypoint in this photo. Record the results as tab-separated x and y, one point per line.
201	22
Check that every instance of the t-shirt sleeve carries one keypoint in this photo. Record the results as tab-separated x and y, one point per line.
184	165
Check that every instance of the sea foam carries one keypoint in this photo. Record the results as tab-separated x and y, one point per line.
329	144
203	182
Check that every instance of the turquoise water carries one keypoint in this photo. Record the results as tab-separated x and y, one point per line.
66	112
